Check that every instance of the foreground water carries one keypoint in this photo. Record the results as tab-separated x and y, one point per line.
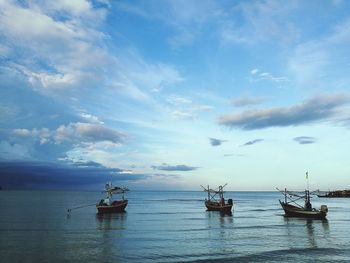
167	227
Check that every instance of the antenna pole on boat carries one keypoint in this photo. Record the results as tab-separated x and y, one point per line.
307	180
285	195
221	192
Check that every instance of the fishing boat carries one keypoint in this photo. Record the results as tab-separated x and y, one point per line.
216	200
293	209
107	205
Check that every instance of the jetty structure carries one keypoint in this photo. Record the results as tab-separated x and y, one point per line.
216	200
334	194
108	205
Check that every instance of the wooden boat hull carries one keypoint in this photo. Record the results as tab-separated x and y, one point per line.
115	207
294	211
214	206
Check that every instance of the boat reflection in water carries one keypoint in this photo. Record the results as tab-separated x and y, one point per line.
314	229
110	221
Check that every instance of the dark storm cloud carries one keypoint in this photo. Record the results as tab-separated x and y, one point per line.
252	142
35	175
305	140
216	142
318	108
181	167
88	164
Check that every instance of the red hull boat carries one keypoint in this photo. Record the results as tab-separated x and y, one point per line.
215	206
115	207
107	206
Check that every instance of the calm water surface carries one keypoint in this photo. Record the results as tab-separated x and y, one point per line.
167	227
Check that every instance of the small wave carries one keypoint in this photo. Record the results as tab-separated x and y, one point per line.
284	255
258	227
264	210
158	213
182	258
173	200
196	218
182	200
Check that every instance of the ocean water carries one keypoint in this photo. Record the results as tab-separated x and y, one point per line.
167	227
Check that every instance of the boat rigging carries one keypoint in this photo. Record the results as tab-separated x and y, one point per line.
216	200
107	205
292	208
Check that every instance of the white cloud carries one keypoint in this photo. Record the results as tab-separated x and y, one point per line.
91	118
178	114
257	75
22	132
92	134
254	71
87	132
313	63
308	64
51	52
176	100
155	75
61	50
136	78
261	21
76	8
53	81
201	108
185	108
44	135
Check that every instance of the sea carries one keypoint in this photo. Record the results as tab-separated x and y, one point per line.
167	226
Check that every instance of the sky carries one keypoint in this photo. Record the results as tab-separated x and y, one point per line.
171	95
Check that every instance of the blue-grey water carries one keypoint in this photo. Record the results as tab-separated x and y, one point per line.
167	227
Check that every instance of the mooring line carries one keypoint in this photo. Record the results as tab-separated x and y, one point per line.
78	207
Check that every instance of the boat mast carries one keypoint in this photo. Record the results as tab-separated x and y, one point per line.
307	192
208	193
285	195
221	193
109	190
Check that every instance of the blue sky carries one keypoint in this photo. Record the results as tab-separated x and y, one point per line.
174	94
